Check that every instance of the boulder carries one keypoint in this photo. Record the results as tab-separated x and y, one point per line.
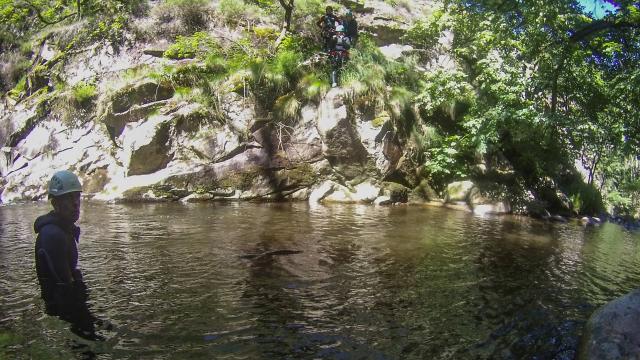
154	52
459	191
395	51
590	221
201	140
133	103
361	193
382	201
613	331
239	112
116	122
497	208
425	191
319	192
341	194
366	192
341	140
95	181
48	148
140	93
397	193
300	195
380	143
19	123
147	145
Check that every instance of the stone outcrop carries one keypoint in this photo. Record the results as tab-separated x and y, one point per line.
133	103
339	135
332	192
147	145
613	331
466	195
136	139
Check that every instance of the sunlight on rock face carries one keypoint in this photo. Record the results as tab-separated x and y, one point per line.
395	51
146	145
366	192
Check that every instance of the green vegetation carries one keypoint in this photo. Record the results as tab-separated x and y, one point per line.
304	174
543	85
536	88
84	93
235	11
186	47
240	180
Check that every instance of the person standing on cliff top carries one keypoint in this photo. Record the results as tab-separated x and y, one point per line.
56	256
327	24
351	27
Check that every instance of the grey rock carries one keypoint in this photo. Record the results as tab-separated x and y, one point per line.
613	331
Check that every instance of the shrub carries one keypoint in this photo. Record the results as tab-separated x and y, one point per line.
306	46
84	93
586	199
313	86
422	35
620	204
188	47
235	11
13	66
266	32
20	87
192	14
444	163
264	3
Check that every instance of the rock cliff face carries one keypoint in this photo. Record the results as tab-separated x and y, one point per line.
141	140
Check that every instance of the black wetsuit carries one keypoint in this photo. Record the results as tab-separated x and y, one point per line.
56	255
61	285
328	25
351	30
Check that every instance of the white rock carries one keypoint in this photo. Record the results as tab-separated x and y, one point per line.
382	200
394	51
320	192
366	192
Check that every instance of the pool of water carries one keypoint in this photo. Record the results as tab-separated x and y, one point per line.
167	281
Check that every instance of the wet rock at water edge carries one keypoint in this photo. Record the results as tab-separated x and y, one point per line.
613	331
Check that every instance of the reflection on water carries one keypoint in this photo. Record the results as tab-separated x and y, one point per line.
371	282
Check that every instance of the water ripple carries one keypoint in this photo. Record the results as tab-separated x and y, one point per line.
371	282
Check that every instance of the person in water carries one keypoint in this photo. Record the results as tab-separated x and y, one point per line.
56	256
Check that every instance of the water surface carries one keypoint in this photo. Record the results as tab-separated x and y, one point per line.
167	281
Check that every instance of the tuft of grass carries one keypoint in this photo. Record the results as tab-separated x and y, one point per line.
20	87
188	47
83	93
237	11
287	107
192	14
313	86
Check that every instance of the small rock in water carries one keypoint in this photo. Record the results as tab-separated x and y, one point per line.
210	337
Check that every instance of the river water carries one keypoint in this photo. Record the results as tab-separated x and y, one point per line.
167	281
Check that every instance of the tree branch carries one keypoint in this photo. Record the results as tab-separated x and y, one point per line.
600	25
42	18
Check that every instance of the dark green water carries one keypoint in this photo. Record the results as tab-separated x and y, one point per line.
167	282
